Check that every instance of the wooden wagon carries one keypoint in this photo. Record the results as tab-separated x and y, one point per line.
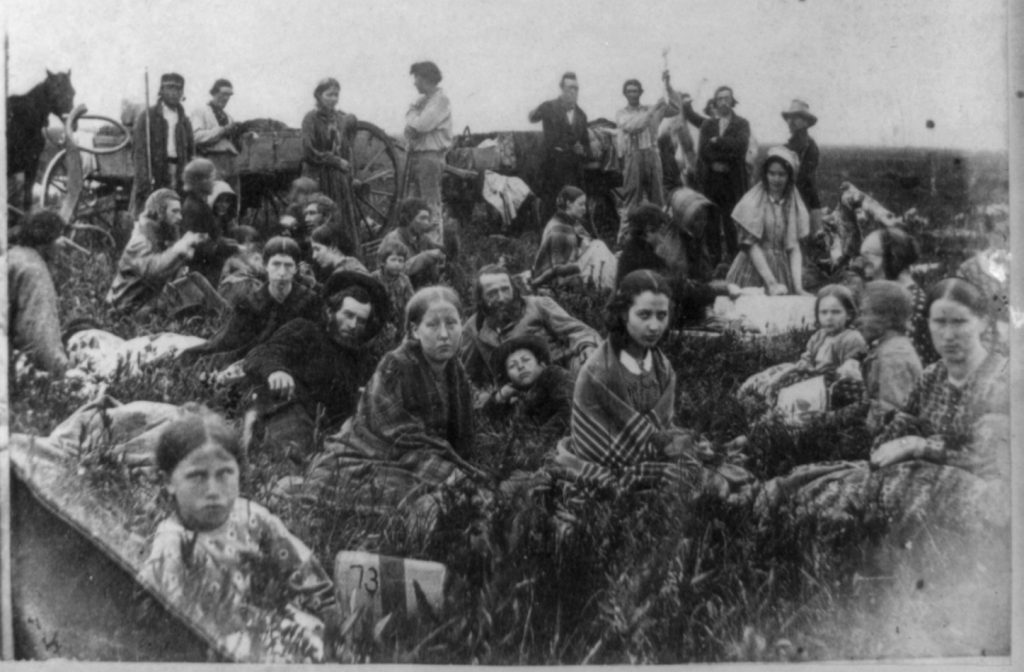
90	182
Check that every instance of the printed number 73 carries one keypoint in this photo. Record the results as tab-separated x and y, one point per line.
372	583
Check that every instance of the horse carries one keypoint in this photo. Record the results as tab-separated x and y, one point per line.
26	118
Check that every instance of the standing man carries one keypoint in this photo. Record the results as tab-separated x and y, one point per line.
638	147
566	143
169	146
216	133
428	128
799	118
722	171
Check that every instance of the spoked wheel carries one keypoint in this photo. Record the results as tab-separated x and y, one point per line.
94	209
97	220
376	180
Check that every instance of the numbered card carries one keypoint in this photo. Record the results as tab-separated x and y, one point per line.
385	584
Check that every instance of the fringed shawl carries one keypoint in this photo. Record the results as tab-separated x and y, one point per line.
611	438
752	211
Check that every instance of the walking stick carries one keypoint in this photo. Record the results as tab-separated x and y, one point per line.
149	141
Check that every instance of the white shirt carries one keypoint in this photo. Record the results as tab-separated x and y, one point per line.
171	117
635	366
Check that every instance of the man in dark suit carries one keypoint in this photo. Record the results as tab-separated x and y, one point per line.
722	171
566	143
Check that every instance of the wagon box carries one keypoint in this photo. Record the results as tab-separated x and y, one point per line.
270	152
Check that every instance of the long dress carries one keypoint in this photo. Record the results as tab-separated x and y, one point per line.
960	481
327	133
778	227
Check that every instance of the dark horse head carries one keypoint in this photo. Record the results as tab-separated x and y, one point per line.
60	94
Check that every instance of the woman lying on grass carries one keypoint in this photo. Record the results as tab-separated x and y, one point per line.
228	563
623	433
944	459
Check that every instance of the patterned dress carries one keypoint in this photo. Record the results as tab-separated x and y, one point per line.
247	581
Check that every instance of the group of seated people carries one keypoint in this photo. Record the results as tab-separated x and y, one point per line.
914	365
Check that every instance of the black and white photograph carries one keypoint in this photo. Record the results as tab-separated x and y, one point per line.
522	333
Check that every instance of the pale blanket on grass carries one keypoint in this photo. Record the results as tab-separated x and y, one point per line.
768	315
97	357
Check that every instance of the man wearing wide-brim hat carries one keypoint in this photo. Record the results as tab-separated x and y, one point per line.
160	160
799	118
309	374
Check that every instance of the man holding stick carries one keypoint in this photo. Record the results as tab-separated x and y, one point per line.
162	142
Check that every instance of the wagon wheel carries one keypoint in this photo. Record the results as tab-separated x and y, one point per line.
376	180
94	213
94	216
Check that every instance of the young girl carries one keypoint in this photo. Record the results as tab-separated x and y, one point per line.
228	563
391	258
836	341
623	434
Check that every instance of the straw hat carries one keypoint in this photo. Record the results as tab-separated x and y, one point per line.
799	108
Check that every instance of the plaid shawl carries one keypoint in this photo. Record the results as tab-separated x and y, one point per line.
614	443
403	434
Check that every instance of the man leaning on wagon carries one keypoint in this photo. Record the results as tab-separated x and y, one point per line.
428	128
215	133
160	159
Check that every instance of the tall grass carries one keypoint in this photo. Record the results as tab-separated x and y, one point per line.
551	574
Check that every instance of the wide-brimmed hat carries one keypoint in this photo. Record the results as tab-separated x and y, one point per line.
342	280
799	108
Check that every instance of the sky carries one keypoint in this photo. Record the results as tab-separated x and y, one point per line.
873	72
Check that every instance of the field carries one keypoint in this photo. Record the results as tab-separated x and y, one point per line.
636	579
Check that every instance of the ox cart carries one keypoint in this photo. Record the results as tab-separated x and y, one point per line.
89	180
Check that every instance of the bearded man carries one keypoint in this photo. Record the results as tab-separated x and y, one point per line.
503	313
306	368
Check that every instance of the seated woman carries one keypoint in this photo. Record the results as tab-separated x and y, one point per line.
623	433
414	223
887	254
333	253
204	556
413	429
224	202
260	310
772	220
673	247
944	458
835	342
531	388
243	271
567	251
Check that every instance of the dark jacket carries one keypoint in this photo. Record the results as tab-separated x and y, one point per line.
324	371
691	296
730	150
806	149
183	141
254	319
559	134
209	257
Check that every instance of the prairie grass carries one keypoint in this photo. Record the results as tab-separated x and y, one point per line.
561	576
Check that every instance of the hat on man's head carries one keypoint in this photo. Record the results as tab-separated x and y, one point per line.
218	85
531	342
172	78
799	108
339	281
